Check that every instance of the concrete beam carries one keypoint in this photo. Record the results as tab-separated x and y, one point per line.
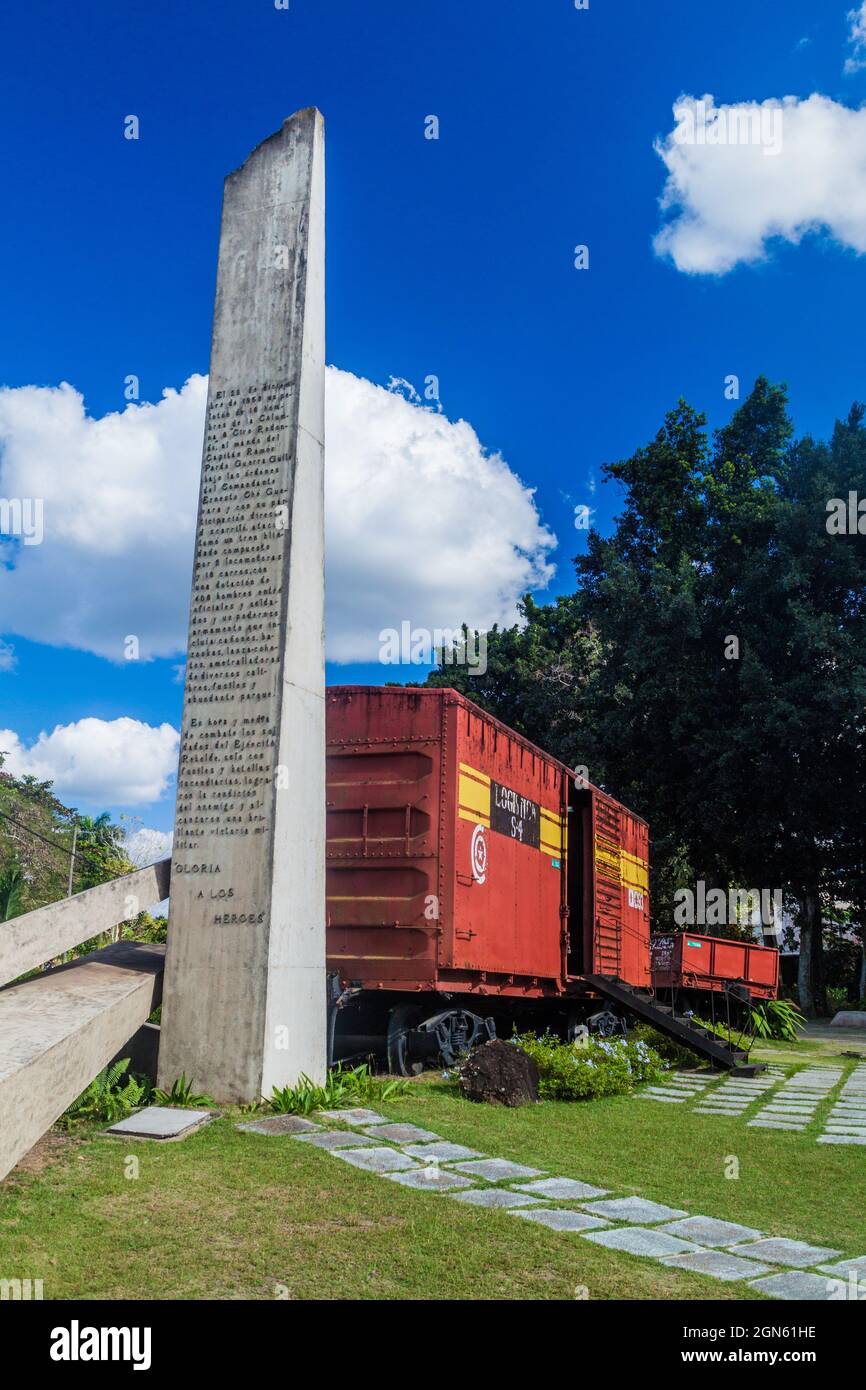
28	941
59	1029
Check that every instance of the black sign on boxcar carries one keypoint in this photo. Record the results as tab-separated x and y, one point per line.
514	815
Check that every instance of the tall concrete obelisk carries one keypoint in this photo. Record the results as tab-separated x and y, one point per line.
244	1004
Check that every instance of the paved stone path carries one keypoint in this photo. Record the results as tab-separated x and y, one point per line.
711	1094
795	1105
721	1249
846	1122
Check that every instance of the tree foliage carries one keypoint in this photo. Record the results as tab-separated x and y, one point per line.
710	669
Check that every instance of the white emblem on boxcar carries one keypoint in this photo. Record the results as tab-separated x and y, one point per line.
479	854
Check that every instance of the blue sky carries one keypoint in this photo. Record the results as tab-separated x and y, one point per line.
451	257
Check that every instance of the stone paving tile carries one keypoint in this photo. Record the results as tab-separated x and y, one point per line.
280	1124
354	1117
403	1134
637	1209
430	1179
844	1267
718	1264
776	1124
333	1139
795	1285
841	1139
837	1127
498	1169
375	1160
443	1152
706	1230
495	1197
637	1240
780	1251
560	1219
561	1189
161	1122
665	1100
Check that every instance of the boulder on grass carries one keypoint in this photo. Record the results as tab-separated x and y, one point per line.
500	1073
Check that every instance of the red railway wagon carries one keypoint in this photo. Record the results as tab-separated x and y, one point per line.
470	883
711	964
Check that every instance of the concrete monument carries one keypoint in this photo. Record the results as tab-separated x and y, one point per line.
244	998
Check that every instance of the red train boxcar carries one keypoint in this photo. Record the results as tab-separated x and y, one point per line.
710	964
468	878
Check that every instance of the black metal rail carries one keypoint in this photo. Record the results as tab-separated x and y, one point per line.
661	1016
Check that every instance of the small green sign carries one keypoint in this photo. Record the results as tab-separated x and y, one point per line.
698	944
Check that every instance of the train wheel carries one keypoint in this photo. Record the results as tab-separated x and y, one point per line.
402	1020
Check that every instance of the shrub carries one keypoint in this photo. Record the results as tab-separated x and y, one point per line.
602	1067
342	1087
182	1095
106	1099
778	1018
667	1048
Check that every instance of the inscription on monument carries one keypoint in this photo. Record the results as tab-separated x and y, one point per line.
246	948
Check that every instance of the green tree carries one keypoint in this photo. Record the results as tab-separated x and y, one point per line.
725	689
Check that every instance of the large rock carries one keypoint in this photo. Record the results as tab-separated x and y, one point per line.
500	1073
849	1018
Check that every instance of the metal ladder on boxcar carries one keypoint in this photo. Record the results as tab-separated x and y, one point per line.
661	1016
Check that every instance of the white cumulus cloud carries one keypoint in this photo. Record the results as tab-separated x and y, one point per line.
105	762
145	846
857	39
422	522
741	176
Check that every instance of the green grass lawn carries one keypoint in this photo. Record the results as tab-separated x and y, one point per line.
226	1214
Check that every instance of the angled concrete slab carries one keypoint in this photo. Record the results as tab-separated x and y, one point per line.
60	1028
35	937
